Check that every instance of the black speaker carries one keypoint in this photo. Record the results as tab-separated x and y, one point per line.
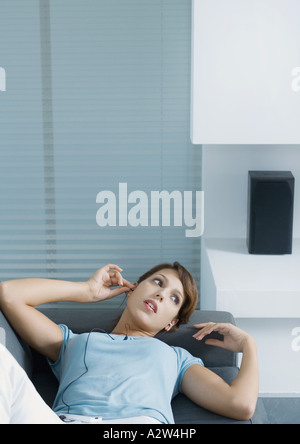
270	212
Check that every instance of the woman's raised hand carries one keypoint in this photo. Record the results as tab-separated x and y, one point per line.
106	277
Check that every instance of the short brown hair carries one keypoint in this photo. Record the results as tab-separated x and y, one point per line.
189	286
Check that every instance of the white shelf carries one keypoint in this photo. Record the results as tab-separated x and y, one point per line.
249	285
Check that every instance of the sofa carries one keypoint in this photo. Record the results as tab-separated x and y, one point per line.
222	362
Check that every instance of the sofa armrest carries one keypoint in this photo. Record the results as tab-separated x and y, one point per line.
15	345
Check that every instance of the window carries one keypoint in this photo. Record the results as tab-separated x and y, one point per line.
106	101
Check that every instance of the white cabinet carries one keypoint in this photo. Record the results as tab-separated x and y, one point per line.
245	72
250	286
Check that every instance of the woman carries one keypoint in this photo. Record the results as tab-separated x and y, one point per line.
127	374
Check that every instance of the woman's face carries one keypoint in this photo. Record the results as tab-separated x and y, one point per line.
156	301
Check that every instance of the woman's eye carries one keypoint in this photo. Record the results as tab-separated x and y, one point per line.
158	281
175	299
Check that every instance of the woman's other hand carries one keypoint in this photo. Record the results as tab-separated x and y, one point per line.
234	338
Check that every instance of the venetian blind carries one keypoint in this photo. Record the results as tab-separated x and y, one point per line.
109	104
22	167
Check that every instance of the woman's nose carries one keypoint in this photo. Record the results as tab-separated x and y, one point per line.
159	295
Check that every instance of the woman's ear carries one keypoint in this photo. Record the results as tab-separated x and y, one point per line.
171	325
130	291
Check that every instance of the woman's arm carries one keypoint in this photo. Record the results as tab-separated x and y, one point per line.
238	399
18	299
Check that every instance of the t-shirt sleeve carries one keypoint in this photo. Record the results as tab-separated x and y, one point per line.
67	336
184	360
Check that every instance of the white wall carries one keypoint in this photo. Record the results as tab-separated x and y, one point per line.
278	353
225	183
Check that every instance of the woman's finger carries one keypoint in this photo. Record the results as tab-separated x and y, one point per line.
224	329
215	342
207	328
115	278
108	267
128	284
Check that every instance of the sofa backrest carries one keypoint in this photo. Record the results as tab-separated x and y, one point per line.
85	319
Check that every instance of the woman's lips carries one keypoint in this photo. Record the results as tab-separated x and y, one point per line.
151	305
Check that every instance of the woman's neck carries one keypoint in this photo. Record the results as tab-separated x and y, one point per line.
128	328
125	331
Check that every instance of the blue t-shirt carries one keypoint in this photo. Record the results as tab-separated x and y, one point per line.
104	375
